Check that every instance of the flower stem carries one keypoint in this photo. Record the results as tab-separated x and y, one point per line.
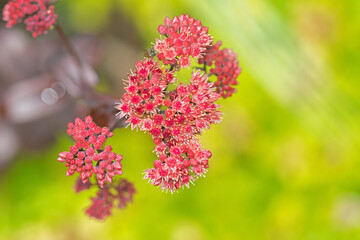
68	45
87	90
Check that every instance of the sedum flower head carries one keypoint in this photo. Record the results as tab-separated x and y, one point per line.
183	37
125	191
38	15
225	66
144	93
80	186
103	203
87	156
173	119
178	165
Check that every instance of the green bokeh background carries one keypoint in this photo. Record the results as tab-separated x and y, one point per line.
285	161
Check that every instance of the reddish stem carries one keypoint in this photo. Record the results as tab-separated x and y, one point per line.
68	45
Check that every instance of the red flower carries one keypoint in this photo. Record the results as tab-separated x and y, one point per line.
86	158
103	203
226	68
80	186
173	121
38	15
125	192
184	163
144	93
184	37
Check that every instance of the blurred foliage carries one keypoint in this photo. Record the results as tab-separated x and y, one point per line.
285	158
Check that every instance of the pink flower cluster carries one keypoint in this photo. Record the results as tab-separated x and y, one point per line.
176	163
38	14
103	203
173	112
184	37
80	186
125	191
173	118
226	68
86	156
144	93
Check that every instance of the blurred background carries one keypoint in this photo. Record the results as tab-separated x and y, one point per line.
285	161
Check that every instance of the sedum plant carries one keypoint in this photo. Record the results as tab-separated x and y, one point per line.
174	112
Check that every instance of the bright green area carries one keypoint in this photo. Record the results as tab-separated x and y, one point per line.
285	159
